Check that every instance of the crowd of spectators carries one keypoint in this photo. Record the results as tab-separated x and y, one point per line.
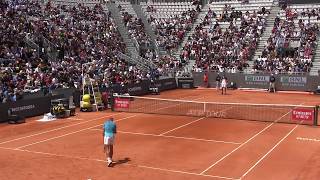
290	48
80	34
88	35
225	49
165	64
170	31
314	12
136	30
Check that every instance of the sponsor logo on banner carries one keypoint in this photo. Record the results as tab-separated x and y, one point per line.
185	83
185	80
256	80
302	115
134	89
168	83
23	108
293	81
121	103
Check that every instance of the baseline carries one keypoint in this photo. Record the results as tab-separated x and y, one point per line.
128	164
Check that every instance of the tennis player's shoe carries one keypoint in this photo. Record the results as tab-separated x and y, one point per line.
109	163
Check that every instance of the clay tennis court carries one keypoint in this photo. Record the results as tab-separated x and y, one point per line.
159	147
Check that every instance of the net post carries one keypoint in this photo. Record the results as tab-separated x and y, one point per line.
315	122
112	101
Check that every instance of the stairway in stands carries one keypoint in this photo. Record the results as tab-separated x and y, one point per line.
316	61
265	36
148	28
199	20
115	13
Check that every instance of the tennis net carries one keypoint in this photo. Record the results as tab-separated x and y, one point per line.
284	113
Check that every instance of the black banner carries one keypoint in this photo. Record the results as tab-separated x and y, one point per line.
26	108
185	83
141	88
66	92
29	108
37	105
167	84
3	112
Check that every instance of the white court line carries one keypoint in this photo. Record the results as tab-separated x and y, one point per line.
76	119
182	126
73	132
308	139
63	127
172	106
127	164
81	130
224	157
174	137
56	129
192	122
269	151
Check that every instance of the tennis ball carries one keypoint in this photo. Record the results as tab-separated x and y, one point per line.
86	98
86	104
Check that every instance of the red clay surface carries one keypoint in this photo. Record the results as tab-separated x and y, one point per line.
163	147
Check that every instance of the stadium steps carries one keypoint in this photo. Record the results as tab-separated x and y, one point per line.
199	20
316	61
115	13
132	52
148	28
265	36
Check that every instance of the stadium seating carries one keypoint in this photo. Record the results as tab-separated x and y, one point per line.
170	21
44	45
228	36
293	41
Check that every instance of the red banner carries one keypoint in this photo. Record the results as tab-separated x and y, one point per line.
303	115
121	103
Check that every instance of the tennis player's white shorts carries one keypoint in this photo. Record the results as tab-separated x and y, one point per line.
108	140
224	85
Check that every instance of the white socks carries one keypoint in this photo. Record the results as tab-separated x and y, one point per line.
109	159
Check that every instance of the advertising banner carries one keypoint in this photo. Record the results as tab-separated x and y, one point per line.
284	82
141	88
256	80
167	84
302	114
185	83
31	107
122	103
293	81
3	112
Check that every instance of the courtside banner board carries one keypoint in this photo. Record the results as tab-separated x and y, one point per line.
293	81
301	114
122	103
256	80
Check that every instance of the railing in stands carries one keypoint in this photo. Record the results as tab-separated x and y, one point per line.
30	40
